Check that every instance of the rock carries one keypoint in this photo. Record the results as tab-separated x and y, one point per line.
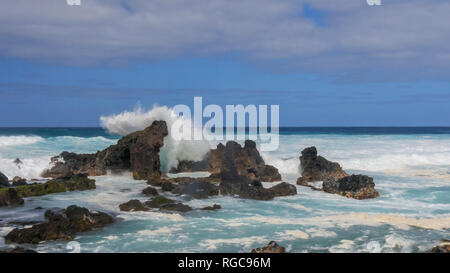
4	180
176	207
133	205
316	168
247	190
353	186
270	174
18	162
150	191
9	197
284	189
137	152
61	225
272	247
18	249
197	189
167	186
444	247
158	201
213	207
18	181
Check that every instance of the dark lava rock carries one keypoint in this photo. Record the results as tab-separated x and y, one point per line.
158	201
18	181
197	189
316	168
10	197
284	189
61	225
246	189
137	152
272	247
4	180
18	250
167	186
176	207
133	205
150	191
353	186
213	207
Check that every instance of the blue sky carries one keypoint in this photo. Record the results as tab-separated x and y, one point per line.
308	57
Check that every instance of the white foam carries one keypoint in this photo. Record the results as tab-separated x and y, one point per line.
29	169
173	150
6	141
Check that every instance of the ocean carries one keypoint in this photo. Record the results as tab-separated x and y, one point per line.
410	166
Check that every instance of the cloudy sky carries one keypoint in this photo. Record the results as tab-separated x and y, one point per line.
325	62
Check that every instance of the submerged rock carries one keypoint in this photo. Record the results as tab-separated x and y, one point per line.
317	168
213	207
150	191
4	180
167	186
246	189
137	152
176	207
61	225
272	247
133	205
158	201
10	197
353	186
197	189
284	189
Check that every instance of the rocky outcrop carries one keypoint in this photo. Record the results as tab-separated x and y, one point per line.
272	247
353	186
137	152
316	168
10	198
246	189
60	225
133	205
18	181
4	180
444	247
150	191
284	189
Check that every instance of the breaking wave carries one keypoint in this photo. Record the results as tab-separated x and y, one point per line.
6	141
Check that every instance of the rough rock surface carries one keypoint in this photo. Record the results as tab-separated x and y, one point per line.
353	186
444	247
316	168
158	201
176	207
272	247
9	197
150	191
61	225
133	205
197	189
4	180
246	189
284	189
137	152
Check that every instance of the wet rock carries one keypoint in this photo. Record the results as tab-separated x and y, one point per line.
133	205
137	152
60	225
272	247
353	186
4	180
284	189
18	162
176	207
197	189
213	207
18	250
167	186
246	189
158	201
10	197
150	191
18	181
316	168
444	247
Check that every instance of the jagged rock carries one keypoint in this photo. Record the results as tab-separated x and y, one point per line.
61	225
18	249
167	186
284	189
133	205
176	207
246	189
18	181
138	152
150	191
353	186
158	201
4	180
197	189
10	197
444	247
316	168
213	207
272	247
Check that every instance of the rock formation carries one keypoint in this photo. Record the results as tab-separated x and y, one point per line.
353	186
4	180
272	247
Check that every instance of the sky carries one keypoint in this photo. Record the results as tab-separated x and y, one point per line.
325	62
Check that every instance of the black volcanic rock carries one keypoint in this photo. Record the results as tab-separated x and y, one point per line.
353	186
271	247
284	189
133	205
197	189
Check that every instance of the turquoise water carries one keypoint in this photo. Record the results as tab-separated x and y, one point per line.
410	166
